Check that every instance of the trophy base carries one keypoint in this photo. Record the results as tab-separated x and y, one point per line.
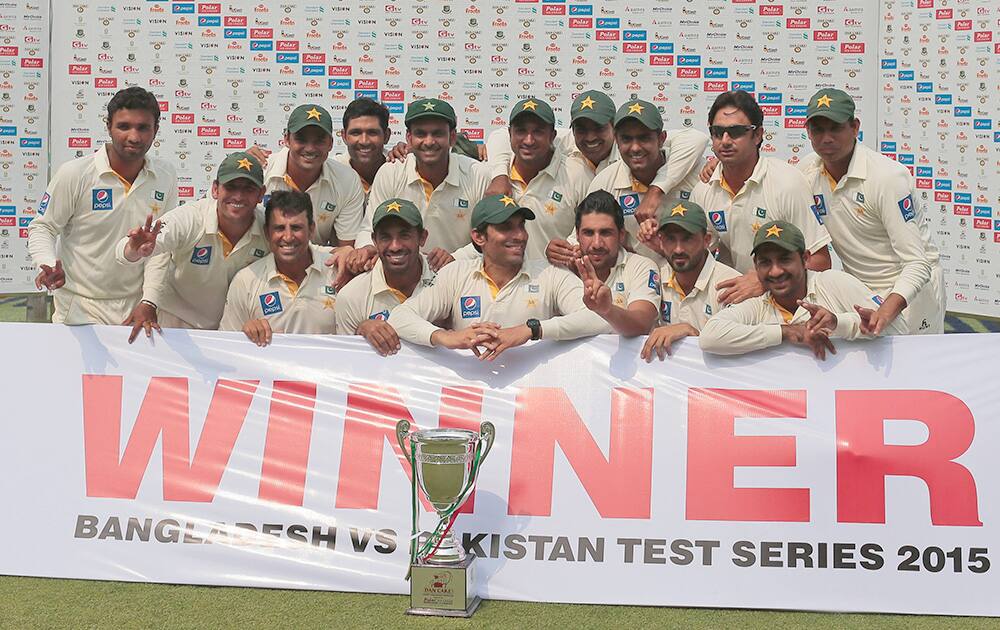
443	591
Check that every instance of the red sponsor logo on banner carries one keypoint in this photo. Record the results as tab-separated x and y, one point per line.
234	143
716	86
209	7
963	210
79	68
942	196
996	237
9	51
32	62
795	122
771	110
982	224
581	22
924	183
339	71
825	36
365	84
106	82
209	131
262	33
476	133
164	105
8	221
943	14
996	48
182	119
317	58
688	73
983	36
634	47
235	20
925	4
79	143
608	35
661	60
798	23
23	233
771	9
287	45
185	191
553	9
963	25
392	96
852	47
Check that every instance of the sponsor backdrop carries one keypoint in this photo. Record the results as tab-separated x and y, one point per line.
24	133
864	483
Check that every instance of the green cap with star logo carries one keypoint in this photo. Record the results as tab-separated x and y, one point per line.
430	108
837	105
594	105
780	233
643	111
399	208
496	209
685	214
535	106
240	165
310	114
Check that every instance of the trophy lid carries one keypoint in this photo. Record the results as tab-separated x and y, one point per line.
444	435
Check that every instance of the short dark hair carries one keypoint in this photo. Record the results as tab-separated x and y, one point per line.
601	202
289	202
134	98
365	106
742	101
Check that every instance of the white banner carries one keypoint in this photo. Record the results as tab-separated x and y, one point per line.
863	483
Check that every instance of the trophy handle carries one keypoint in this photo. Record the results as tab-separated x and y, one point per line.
487	433
402	432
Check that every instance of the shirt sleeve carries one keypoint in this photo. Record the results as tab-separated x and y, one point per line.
467	252
575	320
643	281
498	152
381	190
182	227
154	277
61	197
348	313
795	198
351	217
738	329
412	319
901	224
236	313
841	292
687	147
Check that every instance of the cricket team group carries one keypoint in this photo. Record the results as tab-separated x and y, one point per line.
617	225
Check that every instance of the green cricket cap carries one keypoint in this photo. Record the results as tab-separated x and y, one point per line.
240	165
430	108
593	104
497	209
780	233
837	105
686	214
535	106
310	114
643	111
399	208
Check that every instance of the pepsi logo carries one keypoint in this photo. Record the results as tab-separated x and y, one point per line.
470	302
102	195
270	299
201	253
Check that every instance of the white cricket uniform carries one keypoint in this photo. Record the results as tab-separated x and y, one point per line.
366	187
193	263
261	291
756	323
775	191
337	197
464	294
446	210
702	302
368	296
879	233
88	207
634	278
628	191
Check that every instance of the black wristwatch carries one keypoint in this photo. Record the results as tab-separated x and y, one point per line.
536	328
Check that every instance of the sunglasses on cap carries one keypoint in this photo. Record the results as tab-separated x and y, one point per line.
734	131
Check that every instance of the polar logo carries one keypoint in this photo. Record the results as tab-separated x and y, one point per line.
201	255
629	203
103	199
471	306
718	219
270	303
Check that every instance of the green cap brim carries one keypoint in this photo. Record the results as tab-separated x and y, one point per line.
686	225
310	123
430	114
401	217
600	119
838	118
231	177
785	245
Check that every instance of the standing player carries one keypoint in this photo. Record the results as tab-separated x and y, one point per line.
365	133
93	201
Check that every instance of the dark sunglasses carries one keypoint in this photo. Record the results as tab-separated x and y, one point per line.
734	131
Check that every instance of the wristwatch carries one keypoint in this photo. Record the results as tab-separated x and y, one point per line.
536	328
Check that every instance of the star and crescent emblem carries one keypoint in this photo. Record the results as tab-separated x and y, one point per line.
587	103
392	207
245	164
824	101
508	201
635	108
774	231
532	105
313	114
678	209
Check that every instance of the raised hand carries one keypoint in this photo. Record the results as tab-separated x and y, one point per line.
560	253
596	294
820	318
142	240
735	290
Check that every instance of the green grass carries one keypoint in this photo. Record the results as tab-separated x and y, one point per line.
51	603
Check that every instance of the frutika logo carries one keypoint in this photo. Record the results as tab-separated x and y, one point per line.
201	255
270	303
103	199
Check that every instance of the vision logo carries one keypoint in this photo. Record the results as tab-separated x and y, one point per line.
103	199
718	219
471	307
629	203
201	255
270	303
